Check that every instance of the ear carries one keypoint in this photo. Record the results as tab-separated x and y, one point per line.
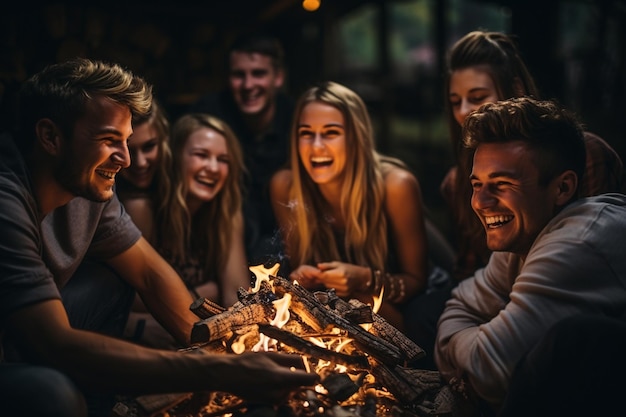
279	80
48	136
566	187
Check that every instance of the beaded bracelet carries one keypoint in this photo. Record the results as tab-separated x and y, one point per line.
396	288
375	283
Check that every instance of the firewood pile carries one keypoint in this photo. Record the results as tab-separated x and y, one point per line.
366	365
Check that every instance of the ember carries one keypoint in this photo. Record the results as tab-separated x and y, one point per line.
364	363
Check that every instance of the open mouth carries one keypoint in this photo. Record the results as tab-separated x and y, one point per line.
106	174
322	161
250	99
207	182
494	222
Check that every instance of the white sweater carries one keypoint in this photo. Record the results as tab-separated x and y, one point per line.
577	264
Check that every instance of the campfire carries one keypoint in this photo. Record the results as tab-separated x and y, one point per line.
366	365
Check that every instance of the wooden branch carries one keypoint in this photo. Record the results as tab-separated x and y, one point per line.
205	308
315	311
221	326
310	349
411	352
357	314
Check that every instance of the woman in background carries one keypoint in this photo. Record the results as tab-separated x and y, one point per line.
141	186
351	219
200	226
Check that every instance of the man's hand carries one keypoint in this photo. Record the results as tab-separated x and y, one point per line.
265	377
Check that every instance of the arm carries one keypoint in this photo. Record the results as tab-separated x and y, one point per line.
162	291
495	317
404	212
140	210
93	360
236	273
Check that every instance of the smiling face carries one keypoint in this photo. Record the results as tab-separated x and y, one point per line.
470	88
507	197
254	82
98	150
144	156
205	163
322	142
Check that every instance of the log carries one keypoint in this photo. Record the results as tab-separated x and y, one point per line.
265	295
409	386
339	386
221	326
411	352
205	308
310	349
361	314
304	303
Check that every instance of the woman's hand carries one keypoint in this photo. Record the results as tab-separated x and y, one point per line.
308	276
346	279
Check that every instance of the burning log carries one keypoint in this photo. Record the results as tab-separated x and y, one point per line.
264	295
380	327
205	308
383	329
305	347
362	360
409	386
304	303
221	326
357	314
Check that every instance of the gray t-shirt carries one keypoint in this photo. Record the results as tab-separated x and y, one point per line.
38	256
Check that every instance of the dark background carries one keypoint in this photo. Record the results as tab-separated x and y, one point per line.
180	48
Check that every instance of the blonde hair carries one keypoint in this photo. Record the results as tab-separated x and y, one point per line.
312	238
208	234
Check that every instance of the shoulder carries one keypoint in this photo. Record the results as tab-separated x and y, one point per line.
281	183
596	221
398	179
282	178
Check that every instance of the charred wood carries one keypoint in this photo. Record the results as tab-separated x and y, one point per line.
310	349
309	305
221	326
205	308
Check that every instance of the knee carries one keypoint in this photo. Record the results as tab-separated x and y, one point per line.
47	393
71	402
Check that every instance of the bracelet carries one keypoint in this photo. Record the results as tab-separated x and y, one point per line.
370	281
376	283
396	288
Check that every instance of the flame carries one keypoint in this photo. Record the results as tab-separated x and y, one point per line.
280	319
333	339
378	300
263	274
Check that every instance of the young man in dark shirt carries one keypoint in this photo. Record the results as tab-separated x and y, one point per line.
259	112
